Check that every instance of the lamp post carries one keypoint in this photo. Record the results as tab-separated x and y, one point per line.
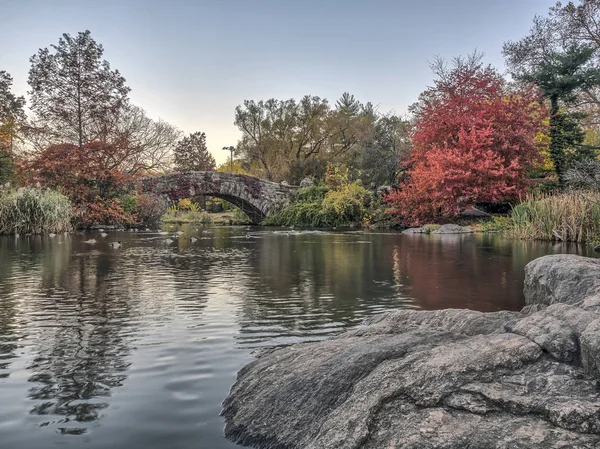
231	150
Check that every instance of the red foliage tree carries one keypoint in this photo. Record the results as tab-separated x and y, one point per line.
473	141
87	176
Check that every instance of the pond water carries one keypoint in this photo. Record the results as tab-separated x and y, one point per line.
137	347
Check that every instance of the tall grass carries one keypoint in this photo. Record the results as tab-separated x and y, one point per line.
173	215
34	211
572	216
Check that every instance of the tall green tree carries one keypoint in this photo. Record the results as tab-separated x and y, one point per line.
191	153
73	89
561	76
12	117
384	152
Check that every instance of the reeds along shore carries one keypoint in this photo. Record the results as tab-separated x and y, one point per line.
572	216
34	211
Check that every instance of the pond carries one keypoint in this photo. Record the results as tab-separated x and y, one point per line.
138	346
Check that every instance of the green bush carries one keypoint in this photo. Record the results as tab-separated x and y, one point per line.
429	228
347	205
320	206
239	216
129	203
496	224
34	211
184	204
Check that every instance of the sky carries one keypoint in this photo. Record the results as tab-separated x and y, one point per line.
191	62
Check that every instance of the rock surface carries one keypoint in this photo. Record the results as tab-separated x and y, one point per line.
453	229
439	379
444	229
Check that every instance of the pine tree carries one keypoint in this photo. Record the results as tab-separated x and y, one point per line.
191	154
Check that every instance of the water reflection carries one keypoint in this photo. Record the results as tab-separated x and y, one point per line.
142	343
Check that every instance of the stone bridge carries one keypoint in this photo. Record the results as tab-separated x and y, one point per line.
256	197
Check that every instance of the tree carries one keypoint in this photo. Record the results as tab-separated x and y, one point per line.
191	154
563	74
226	167
473	141
289	139
84	174
73	90
278	133
384	153
145	146
12	116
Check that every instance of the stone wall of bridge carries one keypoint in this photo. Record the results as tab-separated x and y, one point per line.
256	197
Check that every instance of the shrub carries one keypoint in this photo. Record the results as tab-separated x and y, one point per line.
93	185
429	228
571	216
150	209
320	206
129	203
34	211
240	217
496	224
584	174
184	204
346	205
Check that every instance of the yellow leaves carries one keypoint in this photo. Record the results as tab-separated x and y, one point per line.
225	167
184	204
592	137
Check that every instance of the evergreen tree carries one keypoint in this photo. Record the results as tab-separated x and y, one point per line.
191	154
12	116
74	91
560	76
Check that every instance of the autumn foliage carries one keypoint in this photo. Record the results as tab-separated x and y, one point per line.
473	141
87	177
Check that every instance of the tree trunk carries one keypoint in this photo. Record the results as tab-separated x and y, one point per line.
557	150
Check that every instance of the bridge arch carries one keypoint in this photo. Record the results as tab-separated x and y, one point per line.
256	197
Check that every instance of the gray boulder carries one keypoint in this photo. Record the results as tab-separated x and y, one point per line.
562	278
414	231
438	379
452	229
307	182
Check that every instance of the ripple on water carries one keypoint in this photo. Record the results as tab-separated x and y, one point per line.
101	348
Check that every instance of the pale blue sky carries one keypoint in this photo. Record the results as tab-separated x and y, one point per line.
192	62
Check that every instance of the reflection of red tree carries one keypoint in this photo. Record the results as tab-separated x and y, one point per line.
444	272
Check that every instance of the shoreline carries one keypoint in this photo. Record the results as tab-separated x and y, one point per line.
433	379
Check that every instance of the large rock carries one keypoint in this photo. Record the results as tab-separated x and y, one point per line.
438	379
452	229
562	278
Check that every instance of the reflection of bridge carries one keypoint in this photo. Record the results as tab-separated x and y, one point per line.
256	197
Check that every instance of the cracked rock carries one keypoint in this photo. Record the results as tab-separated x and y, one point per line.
439	379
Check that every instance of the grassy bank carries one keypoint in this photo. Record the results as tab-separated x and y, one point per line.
34	211
186	216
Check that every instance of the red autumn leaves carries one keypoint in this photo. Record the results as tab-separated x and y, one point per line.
473	142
